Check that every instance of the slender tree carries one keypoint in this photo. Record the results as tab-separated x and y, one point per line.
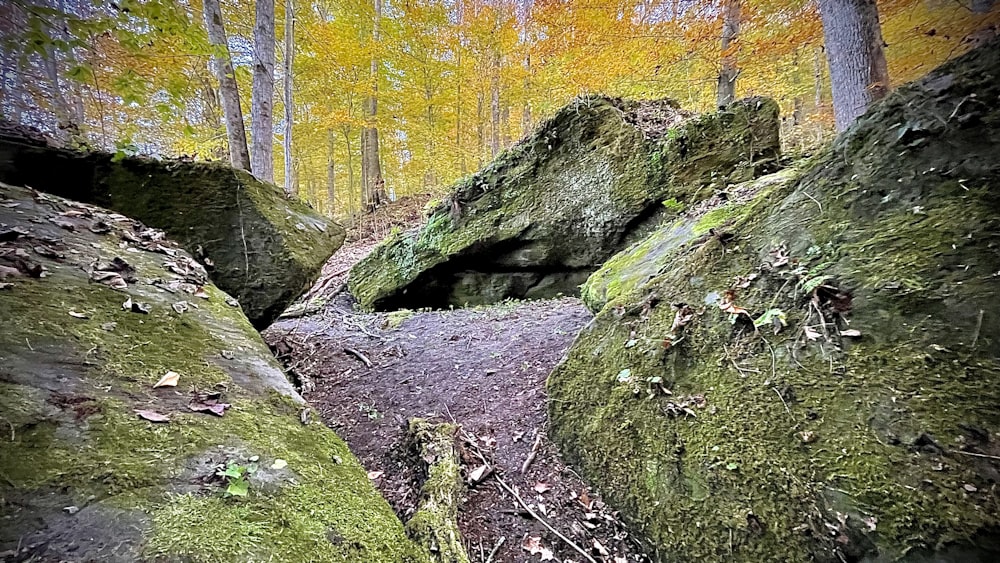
262	95
858	71
223	67
729	71
290	180
372	189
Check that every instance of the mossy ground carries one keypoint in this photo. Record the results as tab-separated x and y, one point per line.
822	447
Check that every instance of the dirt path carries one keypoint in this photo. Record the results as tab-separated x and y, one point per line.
484	368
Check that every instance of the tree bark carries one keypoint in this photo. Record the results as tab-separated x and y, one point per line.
373	188
729	71
262	95
222	65
331	171
495	106
858	71
290	186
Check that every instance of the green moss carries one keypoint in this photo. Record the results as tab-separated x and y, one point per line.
396	318
435	523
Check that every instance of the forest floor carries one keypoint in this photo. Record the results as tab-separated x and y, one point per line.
367	374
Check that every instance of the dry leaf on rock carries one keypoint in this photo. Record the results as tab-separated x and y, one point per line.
170	379
113	280
533	545
152	416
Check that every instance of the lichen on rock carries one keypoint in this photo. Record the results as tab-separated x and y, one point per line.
549	210
84	472
260	247
818	378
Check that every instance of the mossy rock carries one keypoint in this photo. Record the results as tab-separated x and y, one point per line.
550	210
818	379
262	248
84	478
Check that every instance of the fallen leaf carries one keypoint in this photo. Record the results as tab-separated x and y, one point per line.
375	474
812	334
170	379
218	409
279	464
970	487
109	326
181	307
152	416
599	548
74	314
533	545
478	473
584	499
542	488
853	333
728	304
200	292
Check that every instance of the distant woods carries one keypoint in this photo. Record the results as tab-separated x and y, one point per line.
377	99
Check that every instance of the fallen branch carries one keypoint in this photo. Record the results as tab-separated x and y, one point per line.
435	523
496	548
531	512
360	356
532	453
976	455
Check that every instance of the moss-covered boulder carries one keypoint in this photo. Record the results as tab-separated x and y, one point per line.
818	377
97	463
549	211
258	246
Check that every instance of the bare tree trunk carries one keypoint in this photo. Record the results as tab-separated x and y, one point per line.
858	71
262	95
480	127
223	67
350	172
729	71
818	76
290	185
373	188
495	106
331	171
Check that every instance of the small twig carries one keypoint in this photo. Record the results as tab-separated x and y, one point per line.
818	204
782	400
979	326
359	355
496	548
532	513
532	453
976	455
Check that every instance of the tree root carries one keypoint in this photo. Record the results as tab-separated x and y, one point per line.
434	525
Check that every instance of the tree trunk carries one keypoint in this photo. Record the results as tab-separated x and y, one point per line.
331	171
480	127
373	188
729	71
290	187
858	71
350	172
222	65
262	95
495	106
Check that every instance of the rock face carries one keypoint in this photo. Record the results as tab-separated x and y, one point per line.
818	376
548	212
263	249
95	310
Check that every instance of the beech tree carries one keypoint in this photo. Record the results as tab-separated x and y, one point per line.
290	180
858	71
727	75
222	64
262	94
372	185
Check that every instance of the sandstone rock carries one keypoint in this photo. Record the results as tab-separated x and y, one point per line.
813	373
261	248
87	473
550	210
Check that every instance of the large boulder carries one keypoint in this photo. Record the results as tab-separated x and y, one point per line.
812	373
260	247
99	464
550	210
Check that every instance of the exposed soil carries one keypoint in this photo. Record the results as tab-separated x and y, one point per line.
484	368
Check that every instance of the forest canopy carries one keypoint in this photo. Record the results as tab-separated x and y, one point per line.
454	81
